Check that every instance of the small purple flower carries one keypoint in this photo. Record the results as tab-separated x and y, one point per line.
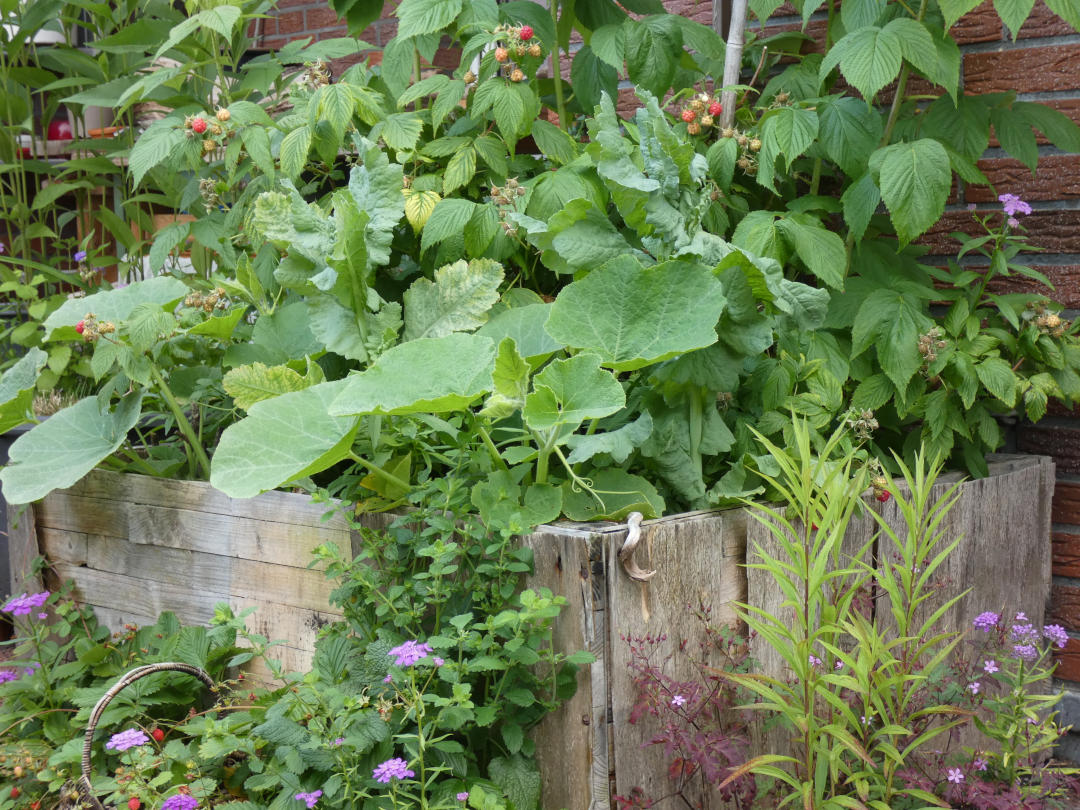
1013	222
388	679
409	652
990	667
974	686
180	801
814	660
1013	205
979	764
7	675
462	796
43	616
3	248
971	206
839	666
1021	617
22	605
437	661
986	621
339	741
678	700
395	768
1057	635
956	775
131	738
80	256
1025	652
308	799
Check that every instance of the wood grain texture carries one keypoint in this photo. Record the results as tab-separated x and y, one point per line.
22	549
572	744
697	558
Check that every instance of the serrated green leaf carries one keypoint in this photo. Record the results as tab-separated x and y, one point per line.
459	170
154	146
1015	136
457	300
633	316
116	305
652	51
591	78
519	780
294	151
419	205
821	250
510	380
417	17
618	444
432	375
998	378
1013	13
400	131
554	142
916	44
860	201
525	325
448	218
869	58
872	393
250	384
146	324
915	180
850	131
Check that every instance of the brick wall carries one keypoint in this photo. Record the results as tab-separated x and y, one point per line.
1042	65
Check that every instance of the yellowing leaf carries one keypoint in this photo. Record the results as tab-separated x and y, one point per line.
418	206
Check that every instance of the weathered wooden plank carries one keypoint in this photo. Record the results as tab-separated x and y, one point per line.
298	627
231	576
22	548
59	545
697	562
286	507
572	744
170	527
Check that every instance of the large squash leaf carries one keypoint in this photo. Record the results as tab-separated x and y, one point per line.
115	305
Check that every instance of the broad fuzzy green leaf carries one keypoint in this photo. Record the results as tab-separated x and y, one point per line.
821	250
652	52
146	324
115	305
250	384
281	439
618	444
154	146
567	392
511	382
999	378
431	375
17	389
915	179
448	218
525	325
850	131
579	237
1013	13
618	493
591	78
633	316
376	189
892	321
416	17
66	446
457	300
786	133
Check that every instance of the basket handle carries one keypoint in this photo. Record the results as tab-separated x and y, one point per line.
83	784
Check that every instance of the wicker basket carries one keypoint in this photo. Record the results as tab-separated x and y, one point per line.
81	793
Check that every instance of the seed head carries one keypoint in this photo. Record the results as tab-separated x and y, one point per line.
706	120
535	51
222	114
517	75
501	54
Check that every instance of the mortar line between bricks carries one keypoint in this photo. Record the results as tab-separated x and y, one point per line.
1048	95
1003	46
1065	528
1036	205
1035	260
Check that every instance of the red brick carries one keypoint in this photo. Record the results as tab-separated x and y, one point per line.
981	24
1044	23
816	30
1068	106
1065	278
1066	504
291	22
1062	444
1068	661
1066	554
293	3
1043	70
1054	231
1064	607
1058	178
274	43
323	18
697	10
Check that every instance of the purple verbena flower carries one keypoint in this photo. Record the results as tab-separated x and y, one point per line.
43	616
990	667
956	775
979	764
395	768
1013	222
462	796
339	741
678	700
814	660
974	686
409	652
131	738
22	605
1057	635
986	621
80	256
971	206
1021	617
3	248
839	666
181	801
1025	652
437	661
308	799
1013	205
388	679
7	675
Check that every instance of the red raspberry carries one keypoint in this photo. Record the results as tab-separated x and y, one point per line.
134	803
158	734
35	805
688	115
15	792
198	126
883	496
80	327
526	33
716	108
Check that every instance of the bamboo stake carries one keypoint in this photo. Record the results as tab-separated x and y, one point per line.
733	61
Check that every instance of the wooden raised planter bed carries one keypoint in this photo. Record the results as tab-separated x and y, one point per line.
135	546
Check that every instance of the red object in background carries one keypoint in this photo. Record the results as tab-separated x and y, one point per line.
60	130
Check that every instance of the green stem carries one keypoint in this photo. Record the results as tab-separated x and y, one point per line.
181	421
901	87
379	471
556	70
546	446
815	179
493	451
